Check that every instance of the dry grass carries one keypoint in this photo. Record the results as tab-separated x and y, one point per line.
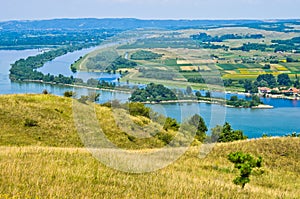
47	161
57	124
43	172
53	115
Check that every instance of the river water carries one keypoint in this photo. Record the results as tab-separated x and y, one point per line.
283	119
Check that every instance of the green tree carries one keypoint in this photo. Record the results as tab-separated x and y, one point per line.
215	133
284	79
73	69
189	90
256	99
228	82
245	163
267	66
289	59
229	135
234	98
269	78
93	96
207	94
69	94
248	85
198	94
198	122
45	92
171	124
92	82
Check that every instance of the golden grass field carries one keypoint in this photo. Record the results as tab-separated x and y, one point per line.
49	161
45	172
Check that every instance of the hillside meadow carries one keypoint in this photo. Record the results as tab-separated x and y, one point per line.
50	161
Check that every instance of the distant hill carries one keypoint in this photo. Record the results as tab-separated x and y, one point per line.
121	23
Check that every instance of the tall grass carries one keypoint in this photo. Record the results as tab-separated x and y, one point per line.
47	160
54	123
45	172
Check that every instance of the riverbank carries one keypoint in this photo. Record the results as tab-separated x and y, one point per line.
280	96
211	100
76	86
221	102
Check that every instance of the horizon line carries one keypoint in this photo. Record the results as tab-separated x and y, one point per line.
153	19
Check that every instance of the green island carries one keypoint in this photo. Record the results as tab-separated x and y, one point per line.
157	93
39	143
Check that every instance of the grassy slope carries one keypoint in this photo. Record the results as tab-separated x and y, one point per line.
56	123
59	172
53	114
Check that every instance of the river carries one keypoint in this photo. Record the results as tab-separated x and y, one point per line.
283	119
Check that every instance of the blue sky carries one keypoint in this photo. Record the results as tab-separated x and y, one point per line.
150	9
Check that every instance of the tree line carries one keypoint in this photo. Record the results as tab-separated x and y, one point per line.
40	38
269	80
203	37
25	69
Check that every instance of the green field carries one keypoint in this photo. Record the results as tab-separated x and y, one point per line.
231	66
293	67
179	52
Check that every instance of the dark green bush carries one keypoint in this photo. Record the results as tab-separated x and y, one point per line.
245	163
30	122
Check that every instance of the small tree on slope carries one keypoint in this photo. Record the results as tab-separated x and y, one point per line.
245	164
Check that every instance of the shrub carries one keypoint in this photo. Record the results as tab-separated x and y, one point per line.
83	99
245	163
198	122
93	96
171	124
165	137
226	134
69	94
30	122
138	109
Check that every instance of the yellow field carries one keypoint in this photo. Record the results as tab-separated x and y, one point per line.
230	71
199	61
255	71
278	67
239	76
191	68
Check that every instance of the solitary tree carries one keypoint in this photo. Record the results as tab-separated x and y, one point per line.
229	135
208	94
198	122
198	94
245	163
189	90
